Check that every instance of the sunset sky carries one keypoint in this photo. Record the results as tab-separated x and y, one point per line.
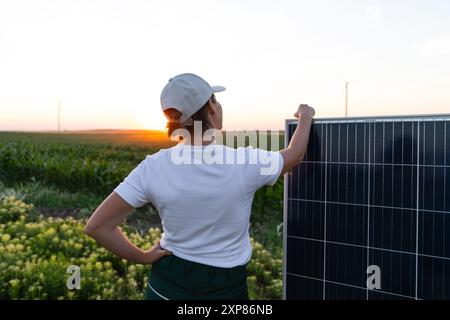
108	60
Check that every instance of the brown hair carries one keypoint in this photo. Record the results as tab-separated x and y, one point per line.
201	115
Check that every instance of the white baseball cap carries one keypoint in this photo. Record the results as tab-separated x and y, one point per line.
187	93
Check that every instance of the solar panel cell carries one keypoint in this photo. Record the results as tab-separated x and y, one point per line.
351	143
361	146
349	264
306	220
409	143
346	224
339	292
433	278
307	257
398	144
398	270
393	229
303	288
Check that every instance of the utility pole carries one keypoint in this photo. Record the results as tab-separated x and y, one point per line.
59	114
346	99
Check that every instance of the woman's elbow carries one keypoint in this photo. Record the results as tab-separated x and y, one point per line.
301	157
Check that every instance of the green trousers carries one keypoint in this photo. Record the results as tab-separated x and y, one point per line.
173	278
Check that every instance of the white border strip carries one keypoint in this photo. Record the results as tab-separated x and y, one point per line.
148	283
285	201
417	207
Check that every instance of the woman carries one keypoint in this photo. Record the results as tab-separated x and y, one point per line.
204	205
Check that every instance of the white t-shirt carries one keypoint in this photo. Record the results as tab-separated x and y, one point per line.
204	195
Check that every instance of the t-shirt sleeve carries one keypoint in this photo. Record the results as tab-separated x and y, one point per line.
263	167
133	189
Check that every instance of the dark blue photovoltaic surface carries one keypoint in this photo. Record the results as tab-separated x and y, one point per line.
370	192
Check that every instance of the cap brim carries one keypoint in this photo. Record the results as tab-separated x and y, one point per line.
218	88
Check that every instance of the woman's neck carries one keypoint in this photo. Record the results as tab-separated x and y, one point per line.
198	142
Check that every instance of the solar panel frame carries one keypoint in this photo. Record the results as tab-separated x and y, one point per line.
373	119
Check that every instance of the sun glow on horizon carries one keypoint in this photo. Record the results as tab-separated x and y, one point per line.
148	119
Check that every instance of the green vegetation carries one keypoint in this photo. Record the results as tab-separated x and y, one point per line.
66	176
36	252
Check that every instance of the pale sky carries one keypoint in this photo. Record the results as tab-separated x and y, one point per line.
109	60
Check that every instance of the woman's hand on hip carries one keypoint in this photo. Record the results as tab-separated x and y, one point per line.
155	253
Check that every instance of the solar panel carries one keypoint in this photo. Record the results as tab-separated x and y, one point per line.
371	193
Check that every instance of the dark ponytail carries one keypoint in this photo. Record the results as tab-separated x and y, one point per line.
172	125
201	115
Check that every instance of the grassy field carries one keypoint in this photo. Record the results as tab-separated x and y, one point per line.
65	176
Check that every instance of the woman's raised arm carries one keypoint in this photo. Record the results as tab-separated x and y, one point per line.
296	150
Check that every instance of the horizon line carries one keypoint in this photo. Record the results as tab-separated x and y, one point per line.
109	130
